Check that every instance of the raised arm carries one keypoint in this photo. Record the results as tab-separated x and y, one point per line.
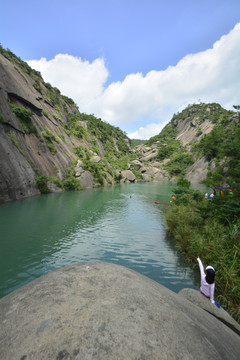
201	267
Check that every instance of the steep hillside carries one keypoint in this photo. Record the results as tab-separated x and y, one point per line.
46	144
201	143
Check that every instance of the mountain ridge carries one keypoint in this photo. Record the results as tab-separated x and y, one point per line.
48	145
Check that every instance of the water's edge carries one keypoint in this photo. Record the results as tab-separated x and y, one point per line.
120	224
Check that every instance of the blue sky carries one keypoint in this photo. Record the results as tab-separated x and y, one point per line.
132	63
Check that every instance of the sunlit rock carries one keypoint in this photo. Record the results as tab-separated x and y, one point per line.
106	311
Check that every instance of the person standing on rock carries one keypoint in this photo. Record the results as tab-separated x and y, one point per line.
207	281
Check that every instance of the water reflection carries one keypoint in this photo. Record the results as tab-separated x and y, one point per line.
121	224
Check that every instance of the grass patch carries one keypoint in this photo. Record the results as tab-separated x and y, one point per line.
50	140
198	229
24	116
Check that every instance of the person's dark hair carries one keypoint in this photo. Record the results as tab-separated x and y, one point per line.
210	275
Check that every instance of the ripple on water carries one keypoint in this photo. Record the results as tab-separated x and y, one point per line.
104	225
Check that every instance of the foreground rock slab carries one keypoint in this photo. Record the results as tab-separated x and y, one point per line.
105	311
198	299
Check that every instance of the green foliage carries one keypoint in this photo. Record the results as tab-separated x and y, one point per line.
179	163
80	151
74	128
96	170
199	132
53	96
45	113
71	182
1	119
41	182
222	143
24	116
184	183
210	229
225	209
37	86
201	112
136	142
166	150
22	64
50	140
55	181
211	144
13	139
68	100
167	135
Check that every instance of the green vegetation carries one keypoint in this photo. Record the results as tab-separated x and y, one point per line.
222	145
210	229
167	150
96	170
37	86
96	128
167	135
13	140
69	183
136	142
22	64
50	140
201	112
24	116
179	163
41	182
170	148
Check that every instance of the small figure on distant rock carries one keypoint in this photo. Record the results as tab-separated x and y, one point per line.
211	196
207	282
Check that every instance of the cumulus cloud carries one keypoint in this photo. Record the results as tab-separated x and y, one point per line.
141	105
79	79
148	131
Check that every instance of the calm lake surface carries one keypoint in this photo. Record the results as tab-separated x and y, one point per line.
120	224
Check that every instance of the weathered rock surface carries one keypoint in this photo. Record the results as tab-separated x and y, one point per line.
106	311
197	298
128	175
86	180
198	171
136	163
188	130
149	156
95	159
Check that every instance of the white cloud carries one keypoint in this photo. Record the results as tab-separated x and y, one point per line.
146	102
148	131
80	80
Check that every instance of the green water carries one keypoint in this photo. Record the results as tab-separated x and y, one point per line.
120	224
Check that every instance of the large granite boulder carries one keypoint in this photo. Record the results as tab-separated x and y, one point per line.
86	180
197	298
106	311
150	156
127	175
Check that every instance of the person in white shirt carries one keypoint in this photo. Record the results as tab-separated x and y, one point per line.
207	281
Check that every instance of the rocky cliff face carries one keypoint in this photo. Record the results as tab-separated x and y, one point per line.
24	152
47	145
37	136
181	149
